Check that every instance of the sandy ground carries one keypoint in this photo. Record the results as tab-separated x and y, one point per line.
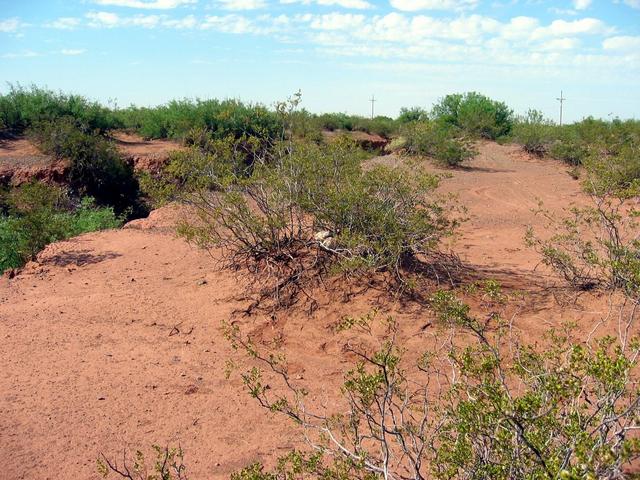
112	339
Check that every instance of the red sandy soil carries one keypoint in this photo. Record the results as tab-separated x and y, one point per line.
112	339
144	155
21	161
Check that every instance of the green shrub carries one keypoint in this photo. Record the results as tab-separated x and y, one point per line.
437	140
305	125
486	405
380	125
336	121
220	118
414	114
614	172
581	142
97	169
533	132
569	147
476	114
39	214
307	209
22	108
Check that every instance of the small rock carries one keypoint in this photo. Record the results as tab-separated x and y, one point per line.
191	389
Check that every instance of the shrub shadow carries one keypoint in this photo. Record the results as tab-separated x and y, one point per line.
79	258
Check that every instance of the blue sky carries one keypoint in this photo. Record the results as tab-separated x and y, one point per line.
338	52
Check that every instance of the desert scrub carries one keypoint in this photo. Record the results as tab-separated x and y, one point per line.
39	214
534	133
168	465
575	144
499	409
306	210
442	142
22	108
413	114
97	169
597	245
222	118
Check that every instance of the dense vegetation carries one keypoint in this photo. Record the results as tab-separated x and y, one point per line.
22	108
35	215
96	168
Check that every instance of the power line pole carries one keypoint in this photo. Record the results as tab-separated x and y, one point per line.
561	100
372	100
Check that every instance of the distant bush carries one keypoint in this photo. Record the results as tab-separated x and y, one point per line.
39	214
336	121
614	172
437	140
305	125
21	108
220	118
574	144
97	169
476	114
414	114
533	132
380	125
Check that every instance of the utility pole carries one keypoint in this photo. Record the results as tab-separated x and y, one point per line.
561	100
373	101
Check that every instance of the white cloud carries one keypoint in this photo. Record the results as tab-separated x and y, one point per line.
64	23
229	24
633	3
464	38
337	21
417	5
153	5
72	51
354	4
559	44
112	20
560	28
10	25
184	23
622	43
103	19
242	4
581	4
